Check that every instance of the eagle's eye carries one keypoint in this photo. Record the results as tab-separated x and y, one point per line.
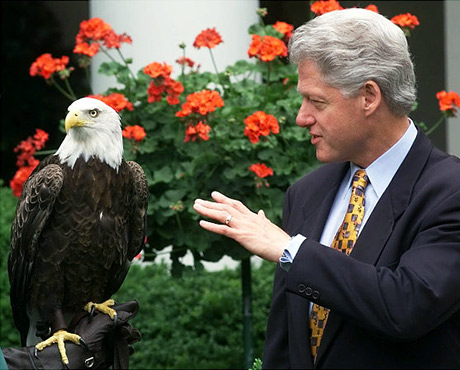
94	113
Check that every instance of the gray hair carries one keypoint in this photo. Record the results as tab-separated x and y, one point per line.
352	46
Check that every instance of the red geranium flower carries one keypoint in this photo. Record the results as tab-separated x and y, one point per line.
45	65
261	170
25	159
405	21
162	83
284	28
208	38
173	91
115	100
201	130
448	102
267	48
40	138
27	148
202	103
325	6
156	69
372	8
185	61
20	177
95	31
112	40
260	123
135	132
86	49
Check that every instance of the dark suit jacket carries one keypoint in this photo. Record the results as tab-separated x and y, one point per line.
395	301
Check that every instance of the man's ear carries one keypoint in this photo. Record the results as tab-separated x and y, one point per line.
372	97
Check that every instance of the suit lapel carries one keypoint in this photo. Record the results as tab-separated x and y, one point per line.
392	204
317	208
379	227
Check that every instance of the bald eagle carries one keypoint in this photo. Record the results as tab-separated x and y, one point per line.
79	222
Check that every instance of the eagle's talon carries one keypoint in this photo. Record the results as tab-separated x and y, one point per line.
59	338
36	353
115	320
103	307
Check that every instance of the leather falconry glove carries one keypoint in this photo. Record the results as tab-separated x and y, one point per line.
106	343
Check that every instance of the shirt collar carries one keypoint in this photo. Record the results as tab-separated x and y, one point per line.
382	170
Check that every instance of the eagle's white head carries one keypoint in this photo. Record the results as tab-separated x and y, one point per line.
93	129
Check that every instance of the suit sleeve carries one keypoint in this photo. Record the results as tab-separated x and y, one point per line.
403	300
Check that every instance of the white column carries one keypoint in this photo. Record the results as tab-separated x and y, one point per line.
452	42
157	27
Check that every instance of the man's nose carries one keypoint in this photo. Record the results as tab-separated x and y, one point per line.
305	117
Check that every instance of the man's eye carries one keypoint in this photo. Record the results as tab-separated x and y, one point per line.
94	113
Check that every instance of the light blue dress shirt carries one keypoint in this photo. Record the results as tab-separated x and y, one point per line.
380	174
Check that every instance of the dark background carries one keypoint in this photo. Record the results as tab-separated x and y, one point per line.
31	28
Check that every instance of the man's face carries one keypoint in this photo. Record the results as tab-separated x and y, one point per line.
336	123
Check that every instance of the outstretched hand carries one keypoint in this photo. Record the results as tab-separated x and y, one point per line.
253	231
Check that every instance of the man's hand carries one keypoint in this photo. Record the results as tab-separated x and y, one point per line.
252	230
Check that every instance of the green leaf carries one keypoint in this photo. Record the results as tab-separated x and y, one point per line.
110	68
164	174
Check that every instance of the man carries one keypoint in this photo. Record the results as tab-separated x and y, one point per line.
389	298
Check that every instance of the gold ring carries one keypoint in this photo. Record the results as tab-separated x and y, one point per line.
227	220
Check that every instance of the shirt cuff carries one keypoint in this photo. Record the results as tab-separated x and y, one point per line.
291	251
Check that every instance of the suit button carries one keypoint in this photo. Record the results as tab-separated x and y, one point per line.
308	291
301	288
315	294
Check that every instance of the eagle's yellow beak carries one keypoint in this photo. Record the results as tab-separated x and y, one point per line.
73	119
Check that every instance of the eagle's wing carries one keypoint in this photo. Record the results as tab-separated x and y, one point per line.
137	203
33	210
138	209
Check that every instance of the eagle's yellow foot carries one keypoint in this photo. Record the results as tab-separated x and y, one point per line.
102	307
59	337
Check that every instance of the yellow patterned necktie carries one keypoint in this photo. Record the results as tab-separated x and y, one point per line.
344	241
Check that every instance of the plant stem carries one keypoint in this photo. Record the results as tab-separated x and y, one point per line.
183	64
213	61
274	143
435	126
267	85
179	223
61	90
69	89
128	84
108	55
126	64
88	78
215	68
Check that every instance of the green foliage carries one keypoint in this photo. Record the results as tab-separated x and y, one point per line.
179	172
194	321
257	365
9	336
